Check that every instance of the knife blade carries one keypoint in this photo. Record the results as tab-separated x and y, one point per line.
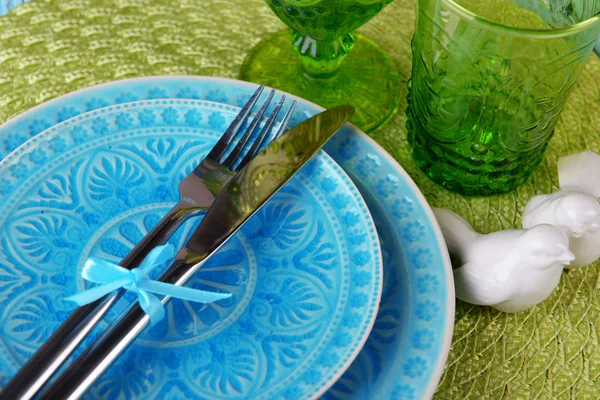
241	198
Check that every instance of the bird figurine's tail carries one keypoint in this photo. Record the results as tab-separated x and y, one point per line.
457	232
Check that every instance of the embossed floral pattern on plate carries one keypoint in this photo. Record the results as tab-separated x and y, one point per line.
379	370
108	176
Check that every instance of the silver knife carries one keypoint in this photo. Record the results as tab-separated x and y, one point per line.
241	198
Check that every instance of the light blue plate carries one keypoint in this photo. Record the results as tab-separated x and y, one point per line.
406	351
305	272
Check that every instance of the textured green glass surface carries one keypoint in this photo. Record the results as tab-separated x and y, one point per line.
52	47
324	69
484	99
507	12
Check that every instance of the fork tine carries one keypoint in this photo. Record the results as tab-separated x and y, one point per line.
262	136
238	150
283	125
280	130
235	126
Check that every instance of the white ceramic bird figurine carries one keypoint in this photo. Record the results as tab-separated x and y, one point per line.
575	208
576	213
510	270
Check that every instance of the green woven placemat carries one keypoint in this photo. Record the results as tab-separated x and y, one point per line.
52	47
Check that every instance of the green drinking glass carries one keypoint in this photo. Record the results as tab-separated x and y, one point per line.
314	61
489	81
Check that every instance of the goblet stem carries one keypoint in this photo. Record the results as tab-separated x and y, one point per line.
321	59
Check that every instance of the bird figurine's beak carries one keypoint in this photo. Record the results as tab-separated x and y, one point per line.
569	256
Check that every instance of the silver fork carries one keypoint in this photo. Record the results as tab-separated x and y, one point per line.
196	193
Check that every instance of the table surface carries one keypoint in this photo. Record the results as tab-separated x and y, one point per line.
52	47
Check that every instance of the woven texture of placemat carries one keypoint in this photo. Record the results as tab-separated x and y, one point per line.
52	47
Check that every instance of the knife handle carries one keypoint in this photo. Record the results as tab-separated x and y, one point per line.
38	370
83	371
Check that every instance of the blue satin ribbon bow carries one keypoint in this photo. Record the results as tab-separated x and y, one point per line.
112	277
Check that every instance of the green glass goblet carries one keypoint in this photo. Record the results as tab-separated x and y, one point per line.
314	61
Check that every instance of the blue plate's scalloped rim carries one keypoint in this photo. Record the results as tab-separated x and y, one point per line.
449	281
451	300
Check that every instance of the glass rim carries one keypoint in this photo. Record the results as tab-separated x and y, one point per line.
537	33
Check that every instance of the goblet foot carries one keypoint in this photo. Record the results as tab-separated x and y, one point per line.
367	79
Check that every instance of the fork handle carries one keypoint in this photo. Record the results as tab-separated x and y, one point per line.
83	372
58	347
